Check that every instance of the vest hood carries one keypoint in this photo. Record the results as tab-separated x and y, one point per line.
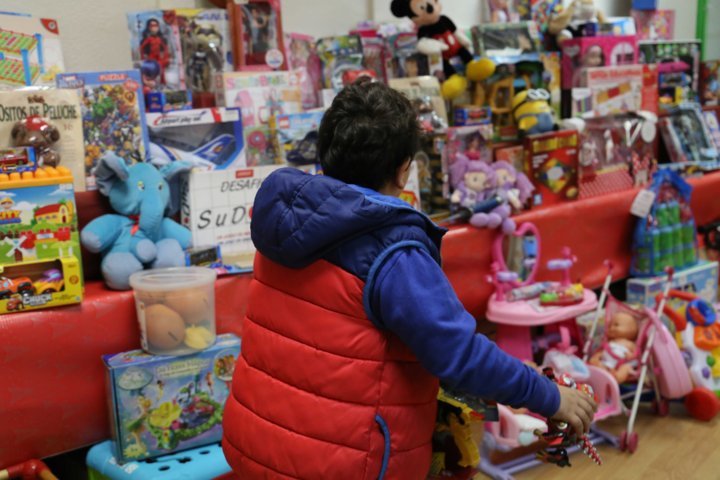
298	218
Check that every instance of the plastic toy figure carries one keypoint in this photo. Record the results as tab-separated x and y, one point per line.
151	71
154	46
438	35
532	112
618	355
206	57
588	160
39	134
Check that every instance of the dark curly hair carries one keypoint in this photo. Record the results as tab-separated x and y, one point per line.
368	132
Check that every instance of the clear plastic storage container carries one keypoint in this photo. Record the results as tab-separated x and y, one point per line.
175	309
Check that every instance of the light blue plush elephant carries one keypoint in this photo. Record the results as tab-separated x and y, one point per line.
140	235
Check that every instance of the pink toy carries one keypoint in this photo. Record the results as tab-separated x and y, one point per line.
586	52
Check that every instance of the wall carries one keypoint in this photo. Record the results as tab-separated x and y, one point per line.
95	36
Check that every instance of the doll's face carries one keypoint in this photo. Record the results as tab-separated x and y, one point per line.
504	177
475	181
425	12
622	325
154	26
593	57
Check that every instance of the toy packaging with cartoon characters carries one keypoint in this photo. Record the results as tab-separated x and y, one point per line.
208	138
49	120
678	64
30	51
112	108
164	404
551	164
297	137
585	52
339	55
258	40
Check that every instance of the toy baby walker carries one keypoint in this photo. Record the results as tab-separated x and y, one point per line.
438	34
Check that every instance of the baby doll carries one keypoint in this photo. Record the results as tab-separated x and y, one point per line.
618	355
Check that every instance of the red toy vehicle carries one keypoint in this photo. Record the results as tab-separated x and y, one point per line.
15	304
21	285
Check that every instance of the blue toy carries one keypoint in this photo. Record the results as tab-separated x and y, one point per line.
202	463
140	235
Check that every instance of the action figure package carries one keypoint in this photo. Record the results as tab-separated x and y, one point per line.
302	58
678	65
258	41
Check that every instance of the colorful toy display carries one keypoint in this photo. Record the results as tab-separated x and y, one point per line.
586	52
112	110
688	138
666	237
206	138
164	404
139	234
30	52
506	39
532	112
701	279
258	41
551	162
39	241
433	174
678	66
297	137
339	55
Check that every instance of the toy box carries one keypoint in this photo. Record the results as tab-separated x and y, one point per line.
156	50
17	160
297	137
339	55
257	34
260	96
701	279
209	138
654	24
216	207
206	47
201	463
432	174
514	155
585	52
168	101
30	51
424	91
112	110
617	153
40	263
612	90
497	11
164	404
678	69
687	137
406	61
551	164
644	4
60	109
709	84
303	59
503	39
666	235
467	115
617	26
713	125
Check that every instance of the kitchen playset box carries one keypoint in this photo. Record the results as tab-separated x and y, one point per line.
217	208
40	263
701	279
30	51
163	404
208	138
112	107
586	52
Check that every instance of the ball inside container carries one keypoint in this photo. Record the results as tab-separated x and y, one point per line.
175	309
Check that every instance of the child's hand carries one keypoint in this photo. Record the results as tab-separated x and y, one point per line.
576	408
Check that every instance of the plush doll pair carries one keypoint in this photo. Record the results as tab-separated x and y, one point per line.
140	235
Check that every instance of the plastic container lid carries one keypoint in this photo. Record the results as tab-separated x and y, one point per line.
169	279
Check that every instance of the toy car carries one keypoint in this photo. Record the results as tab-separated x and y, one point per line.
51	282
15	304
9	286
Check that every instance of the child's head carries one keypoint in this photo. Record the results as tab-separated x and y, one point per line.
367	134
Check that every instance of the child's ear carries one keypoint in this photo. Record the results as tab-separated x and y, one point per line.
403	174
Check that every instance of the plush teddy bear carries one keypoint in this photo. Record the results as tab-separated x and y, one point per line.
438	34
139	235
37	133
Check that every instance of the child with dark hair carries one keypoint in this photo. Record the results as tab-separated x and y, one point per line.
351	321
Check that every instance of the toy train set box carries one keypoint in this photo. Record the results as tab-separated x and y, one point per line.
164	404
40	262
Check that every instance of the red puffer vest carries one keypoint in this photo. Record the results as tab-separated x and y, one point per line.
319	392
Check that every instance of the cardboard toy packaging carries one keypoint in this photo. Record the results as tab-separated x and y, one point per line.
163	404
551	164
586	52
208	138
113	115
257	35
678	64
612	90
297	137
701	279
30	51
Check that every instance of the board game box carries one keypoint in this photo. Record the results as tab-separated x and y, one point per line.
112	108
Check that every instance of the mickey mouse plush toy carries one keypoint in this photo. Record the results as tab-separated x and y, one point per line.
438	34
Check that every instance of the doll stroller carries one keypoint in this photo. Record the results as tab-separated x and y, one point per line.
658	358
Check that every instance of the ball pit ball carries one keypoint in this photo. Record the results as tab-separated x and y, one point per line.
192	305
165	328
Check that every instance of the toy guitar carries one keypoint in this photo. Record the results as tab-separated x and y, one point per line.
560	435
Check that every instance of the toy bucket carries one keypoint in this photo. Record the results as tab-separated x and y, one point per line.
175	309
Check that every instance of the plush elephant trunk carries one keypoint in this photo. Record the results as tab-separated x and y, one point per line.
151	217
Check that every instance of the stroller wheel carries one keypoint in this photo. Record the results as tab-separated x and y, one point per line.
661	407
632	442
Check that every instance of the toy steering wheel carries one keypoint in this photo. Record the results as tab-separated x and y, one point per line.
700	313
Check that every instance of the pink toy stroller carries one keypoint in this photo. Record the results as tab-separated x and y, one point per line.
656	356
